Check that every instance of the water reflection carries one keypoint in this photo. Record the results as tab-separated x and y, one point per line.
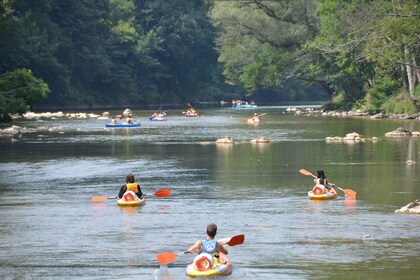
162	273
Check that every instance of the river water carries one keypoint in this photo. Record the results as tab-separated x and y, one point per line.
50	229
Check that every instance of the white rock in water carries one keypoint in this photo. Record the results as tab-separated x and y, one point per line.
225	140
411	208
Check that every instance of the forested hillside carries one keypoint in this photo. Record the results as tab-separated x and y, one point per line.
360	54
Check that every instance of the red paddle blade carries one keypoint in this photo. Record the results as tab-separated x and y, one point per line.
166	258
236	240
305	172
99	198
165	192
350	193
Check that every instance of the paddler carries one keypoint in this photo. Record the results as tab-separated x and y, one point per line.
208	247
130	185
321	179
255	118
129	119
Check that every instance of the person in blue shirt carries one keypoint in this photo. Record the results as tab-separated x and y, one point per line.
208	244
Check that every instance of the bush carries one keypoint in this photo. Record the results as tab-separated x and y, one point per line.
399	104
19	91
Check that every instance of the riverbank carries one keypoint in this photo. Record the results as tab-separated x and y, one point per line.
356	113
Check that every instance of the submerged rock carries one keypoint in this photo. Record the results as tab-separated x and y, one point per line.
411	208
261	140
352	137
399	132
225	140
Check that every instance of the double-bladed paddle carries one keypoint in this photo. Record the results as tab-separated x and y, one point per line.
169	257
158	193
349	193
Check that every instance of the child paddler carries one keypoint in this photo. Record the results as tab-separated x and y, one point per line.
130	185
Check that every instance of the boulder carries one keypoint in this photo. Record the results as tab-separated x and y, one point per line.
415	133
225	140
399	132
127	112
378	116
10	131
261	140
411	208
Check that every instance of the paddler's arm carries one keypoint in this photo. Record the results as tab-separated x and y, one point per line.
196	247
122	191
220	248
139	193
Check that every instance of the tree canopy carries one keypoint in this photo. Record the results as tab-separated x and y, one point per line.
360	53
19	91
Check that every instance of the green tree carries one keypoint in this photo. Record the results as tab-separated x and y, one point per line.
189	68
19	91
260	42
367	44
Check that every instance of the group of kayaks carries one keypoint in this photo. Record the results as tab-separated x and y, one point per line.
154	117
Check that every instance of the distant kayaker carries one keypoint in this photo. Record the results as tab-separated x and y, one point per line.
130	185
129	119
158	115
255	118
322	180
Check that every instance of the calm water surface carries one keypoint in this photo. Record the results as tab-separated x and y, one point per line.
50	229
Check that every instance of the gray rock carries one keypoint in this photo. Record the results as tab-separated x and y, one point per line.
399	132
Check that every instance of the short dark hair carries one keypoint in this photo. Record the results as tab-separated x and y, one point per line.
211	230
129	178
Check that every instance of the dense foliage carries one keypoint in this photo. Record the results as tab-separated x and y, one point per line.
19	91
360	53
102	52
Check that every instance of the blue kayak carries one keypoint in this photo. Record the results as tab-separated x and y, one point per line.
158	119
244	106
134	124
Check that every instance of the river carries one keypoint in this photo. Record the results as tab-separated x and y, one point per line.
50	228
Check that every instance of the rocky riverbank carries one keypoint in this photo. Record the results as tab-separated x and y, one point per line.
355	113
14	132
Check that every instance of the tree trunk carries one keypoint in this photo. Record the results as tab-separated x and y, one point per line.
404	79
417	69
410	76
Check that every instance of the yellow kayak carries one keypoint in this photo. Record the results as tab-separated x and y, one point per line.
323	196
135	202
252	121
222	266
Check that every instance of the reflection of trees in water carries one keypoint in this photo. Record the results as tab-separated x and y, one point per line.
411	157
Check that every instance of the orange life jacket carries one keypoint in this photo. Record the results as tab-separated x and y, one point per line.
132	187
